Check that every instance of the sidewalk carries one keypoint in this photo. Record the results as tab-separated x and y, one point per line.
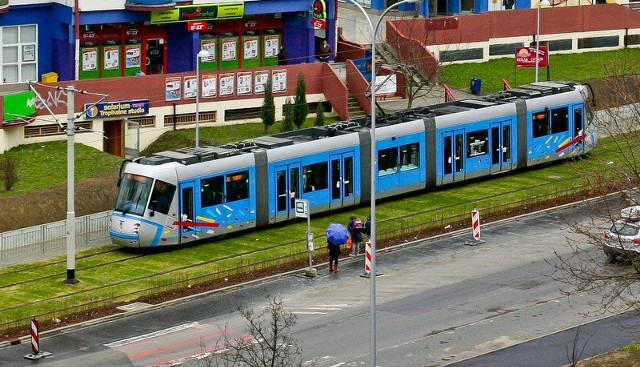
433	95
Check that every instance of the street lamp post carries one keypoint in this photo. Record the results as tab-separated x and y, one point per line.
540	4
374	170
201	55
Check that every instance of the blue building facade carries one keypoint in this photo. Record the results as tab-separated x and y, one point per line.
158	36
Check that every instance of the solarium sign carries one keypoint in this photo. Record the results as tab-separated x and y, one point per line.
117	109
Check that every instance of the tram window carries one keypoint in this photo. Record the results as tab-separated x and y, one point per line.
161	197
237	186
315	177
577	120
560	120
409	157
540	124
211	190
388	161
477	143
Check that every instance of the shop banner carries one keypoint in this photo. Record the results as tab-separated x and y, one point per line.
19	106
192	13
527	56
115	109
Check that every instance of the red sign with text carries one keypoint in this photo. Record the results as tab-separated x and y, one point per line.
527	56
196	26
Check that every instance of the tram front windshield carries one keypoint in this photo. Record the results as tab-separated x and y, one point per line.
133	194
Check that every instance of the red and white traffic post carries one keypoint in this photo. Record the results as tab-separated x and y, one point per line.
35	343
475	225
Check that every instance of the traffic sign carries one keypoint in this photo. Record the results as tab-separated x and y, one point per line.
302	208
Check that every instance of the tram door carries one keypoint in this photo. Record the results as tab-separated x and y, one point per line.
453	156
288	186
500	146
187	207
341	175
578	125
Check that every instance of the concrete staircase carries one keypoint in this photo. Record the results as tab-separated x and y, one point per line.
355	111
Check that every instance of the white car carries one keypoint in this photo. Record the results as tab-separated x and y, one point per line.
622	240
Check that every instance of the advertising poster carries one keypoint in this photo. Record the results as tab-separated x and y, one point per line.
227	84
250	48
111	57
209	45
229	49
244	82
132	56
260	78
90	59
279	78
190	86
271	45
209	86
173	89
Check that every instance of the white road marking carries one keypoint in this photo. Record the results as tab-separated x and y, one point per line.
155	334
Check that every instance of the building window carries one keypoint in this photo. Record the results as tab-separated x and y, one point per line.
19	57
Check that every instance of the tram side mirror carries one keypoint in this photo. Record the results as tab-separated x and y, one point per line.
153	206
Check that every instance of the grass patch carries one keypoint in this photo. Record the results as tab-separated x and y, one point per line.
125	275
577	67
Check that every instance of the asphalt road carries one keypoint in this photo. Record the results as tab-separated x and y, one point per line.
438	302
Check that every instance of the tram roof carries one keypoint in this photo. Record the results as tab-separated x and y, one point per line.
189	156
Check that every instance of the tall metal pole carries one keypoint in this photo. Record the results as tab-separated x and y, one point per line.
198	100
71	213
374	167
538	42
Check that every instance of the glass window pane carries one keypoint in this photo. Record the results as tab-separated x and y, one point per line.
27	33
29	72
10	74
9	35
9	54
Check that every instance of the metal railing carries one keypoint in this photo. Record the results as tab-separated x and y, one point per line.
48	237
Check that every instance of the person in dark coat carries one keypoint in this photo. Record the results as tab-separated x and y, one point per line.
334	253
355	228
325	51
282	56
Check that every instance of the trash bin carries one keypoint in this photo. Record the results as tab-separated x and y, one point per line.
50	77
475	86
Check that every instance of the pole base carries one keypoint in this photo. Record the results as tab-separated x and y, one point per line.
473	242
38	355
311	272
368	275
71	277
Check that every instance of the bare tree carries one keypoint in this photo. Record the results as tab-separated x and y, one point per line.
266	342
592	266
414	59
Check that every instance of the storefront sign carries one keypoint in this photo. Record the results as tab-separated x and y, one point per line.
527	56
116	109
319	14
19	107
192	13
196	26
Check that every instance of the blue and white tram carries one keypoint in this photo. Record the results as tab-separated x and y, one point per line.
175	197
